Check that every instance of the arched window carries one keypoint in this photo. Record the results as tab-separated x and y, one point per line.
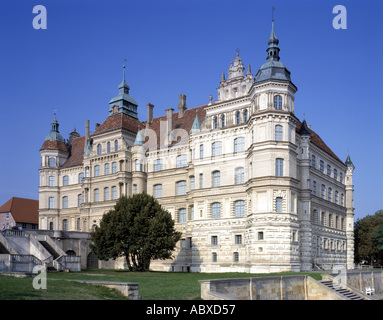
137	165
108	147
106	168
52	162
80	177
51	204
239	144
157	191
215	122
181	187
114	193
239	175
65	180
97	171
245	115
106	194
201	151
114	167
278	132
237	117
158	165
336	196
329	194
116	145
328	170
79	200
314	188
181	161
322	191
96	195
223	121
239	208
313	161
216	178
216	210
277	102
65	202
182	215
65	225
216	148
99	149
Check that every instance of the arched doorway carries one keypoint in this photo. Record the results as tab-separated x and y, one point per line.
92	261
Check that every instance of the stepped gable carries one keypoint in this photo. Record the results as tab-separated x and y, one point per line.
22	210
317	140
119	121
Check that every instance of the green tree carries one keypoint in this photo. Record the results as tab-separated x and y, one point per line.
139	229
365	246
377	242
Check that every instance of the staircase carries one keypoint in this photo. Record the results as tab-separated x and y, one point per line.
347	294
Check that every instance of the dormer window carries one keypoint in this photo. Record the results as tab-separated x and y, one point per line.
277	102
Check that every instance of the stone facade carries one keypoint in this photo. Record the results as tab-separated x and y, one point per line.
250	186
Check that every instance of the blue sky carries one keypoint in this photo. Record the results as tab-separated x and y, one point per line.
174	47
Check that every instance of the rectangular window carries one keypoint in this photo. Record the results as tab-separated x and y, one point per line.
321	166
239	208
51	181
214	257
279	167
201	151
114	193
65	202
182	215
239	144
216	210
214	240
192	183
238	239
106	168
278	204
328	170
236	257
181	161
216	148
260	235
114	167
106	194
96	195
313	161
51	204
97	171
200	180
314	188
216	179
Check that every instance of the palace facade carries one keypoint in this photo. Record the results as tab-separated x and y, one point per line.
250	186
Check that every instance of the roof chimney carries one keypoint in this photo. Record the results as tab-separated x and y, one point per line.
150	112
86	134
169	119
182	106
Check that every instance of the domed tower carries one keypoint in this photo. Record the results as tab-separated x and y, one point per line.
54	153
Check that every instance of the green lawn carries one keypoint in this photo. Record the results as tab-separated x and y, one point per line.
152	285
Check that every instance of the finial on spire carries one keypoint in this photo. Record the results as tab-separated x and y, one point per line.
123	70
237	52
272	13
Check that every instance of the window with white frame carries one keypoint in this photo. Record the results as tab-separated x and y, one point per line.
79	200
99	149
235	257
278	204
277	102
106	194
182	215
201	180
106	168
97	171
114	167
201	151
192	183
336	196
239	144
51	181
65	202
51	203
96	195
65	181
181	161
181	187
278	132
108	147
216	210
214	240
116	145
239	175
157	191
279	167
237	117
238	239
215	122
158	165
114	193
321	166
216	177
322	191
328	170
329	194
52	162
245	115
239	208
80	177
216	148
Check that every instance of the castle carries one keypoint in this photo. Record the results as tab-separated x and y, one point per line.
250	186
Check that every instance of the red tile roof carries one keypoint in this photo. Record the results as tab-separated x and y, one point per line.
317	140
77	153
119	121
22	210
54	145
